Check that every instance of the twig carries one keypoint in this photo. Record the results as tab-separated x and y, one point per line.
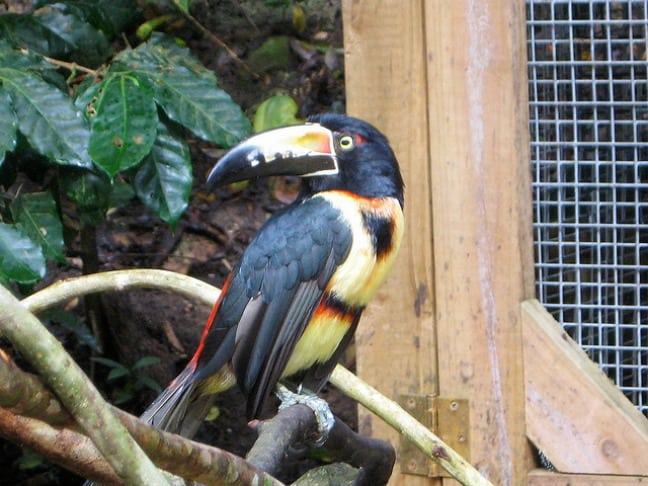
70	66
210	35
75	391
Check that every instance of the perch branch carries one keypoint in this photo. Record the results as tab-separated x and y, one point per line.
297	423
75	391
349	384
399	419
66	446
119	280
24	394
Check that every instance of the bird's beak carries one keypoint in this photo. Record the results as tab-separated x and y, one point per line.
299	150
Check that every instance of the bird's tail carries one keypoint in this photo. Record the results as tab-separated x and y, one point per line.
180	408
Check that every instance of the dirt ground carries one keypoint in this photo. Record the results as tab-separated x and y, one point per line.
214	230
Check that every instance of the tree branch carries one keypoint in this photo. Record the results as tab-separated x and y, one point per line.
297	424
65	446
24	394
349	384
75	391
399	419
118	280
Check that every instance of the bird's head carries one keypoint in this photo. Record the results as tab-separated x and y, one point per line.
331	152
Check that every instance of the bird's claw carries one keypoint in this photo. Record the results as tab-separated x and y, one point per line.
323	415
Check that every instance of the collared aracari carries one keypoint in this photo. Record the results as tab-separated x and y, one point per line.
291	304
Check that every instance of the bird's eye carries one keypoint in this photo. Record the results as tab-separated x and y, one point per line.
346	142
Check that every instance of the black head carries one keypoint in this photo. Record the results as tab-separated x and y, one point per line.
330	152
367	164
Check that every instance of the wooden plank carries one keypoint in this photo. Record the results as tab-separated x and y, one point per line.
385	83
479	140
541	477
575	414
463	145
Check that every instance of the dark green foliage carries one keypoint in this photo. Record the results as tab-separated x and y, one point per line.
110	131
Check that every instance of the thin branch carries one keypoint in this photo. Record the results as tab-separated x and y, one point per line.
119	280
70	66
210	35
75	391
399	419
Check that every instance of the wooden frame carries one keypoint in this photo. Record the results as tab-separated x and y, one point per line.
446	81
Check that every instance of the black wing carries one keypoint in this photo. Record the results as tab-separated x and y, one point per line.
274	290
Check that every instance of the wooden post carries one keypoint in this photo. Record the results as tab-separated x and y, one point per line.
446	82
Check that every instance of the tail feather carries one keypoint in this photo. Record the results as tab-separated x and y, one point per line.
179	409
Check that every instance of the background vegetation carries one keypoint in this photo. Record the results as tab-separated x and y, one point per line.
110	111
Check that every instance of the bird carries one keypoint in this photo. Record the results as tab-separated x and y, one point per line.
291	304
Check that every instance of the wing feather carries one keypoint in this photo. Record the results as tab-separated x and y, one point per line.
273	293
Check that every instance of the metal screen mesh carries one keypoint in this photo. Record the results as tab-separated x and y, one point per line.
589	148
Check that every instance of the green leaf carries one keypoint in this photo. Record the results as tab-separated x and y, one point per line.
70	321
187	91
8	125
145	30
37	214
25	30
274	53
182	5
148	382
51	32
196	101
29	461
124	395
146	361
110	363
16	59
163	182
47	118
87	189
276	111
21	259
123	129
117	373
82	42
110	16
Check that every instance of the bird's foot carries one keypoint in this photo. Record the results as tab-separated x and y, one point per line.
319	406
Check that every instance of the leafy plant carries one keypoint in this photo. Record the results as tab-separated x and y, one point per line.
276	111
132	378
111	130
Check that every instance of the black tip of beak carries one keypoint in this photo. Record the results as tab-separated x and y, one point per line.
236	165
300	150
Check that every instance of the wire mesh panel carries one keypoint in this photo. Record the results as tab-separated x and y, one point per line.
589	147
